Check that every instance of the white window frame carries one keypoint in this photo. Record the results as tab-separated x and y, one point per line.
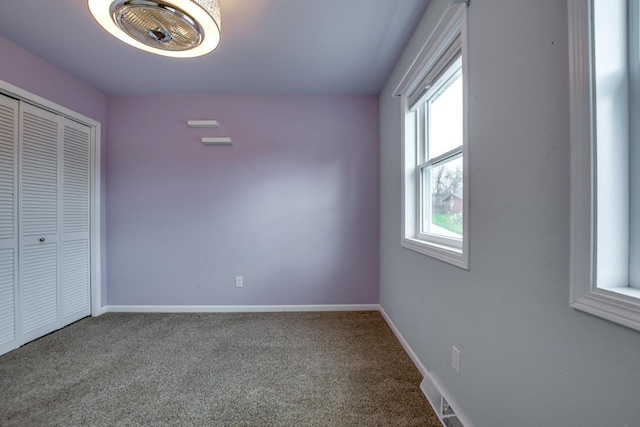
414	88
634	148
619	304
444	75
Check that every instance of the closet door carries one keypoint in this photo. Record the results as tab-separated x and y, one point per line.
75	296
39	229
9	338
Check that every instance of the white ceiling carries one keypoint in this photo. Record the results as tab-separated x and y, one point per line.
314	47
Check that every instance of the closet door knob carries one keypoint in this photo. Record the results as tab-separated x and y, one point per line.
41	239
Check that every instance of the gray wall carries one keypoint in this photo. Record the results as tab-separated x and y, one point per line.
528	359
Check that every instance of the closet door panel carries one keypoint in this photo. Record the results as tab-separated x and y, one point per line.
39	290
75	221
39	218
8	143
39	177
75	280
9	337
8	329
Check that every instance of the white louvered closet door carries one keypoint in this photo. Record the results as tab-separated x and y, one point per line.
75	297
39	221
8	223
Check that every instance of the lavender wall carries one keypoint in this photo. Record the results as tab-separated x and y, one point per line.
31	73
293	205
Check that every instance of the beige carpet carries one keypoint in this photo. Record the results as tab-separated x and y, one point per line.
249	369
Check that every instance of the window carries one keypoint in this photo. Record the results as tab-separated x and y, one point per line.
439	167
434	161
605	182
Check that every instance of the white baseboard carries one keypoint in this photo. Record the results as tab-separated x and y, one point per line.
237	308
405	344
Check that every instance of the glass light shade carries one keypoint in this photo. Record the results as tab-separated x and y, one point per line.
202	14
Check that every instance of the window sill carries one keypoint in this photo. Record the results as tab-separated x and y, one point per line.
619	305
446	254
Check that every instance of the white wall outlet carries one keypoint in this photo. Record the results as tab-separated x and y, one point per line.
455	359
239	282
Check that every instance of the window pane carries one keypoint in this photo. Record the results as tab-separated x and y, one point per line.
445	118
442	198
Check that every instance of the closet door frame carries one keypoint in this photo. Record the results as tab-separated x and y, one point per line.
94	157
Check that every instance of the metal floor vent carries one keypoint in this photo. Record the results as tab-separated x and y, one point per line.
448	415
157	25
435	394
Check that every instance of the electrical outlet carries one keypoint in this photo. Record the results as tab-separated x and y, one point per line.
455	359
239	283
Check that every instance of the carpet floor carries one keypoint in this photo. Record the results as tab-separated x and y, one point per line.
235	369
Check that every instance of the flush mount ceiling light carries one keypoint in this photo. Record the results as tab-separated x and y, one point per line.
177	28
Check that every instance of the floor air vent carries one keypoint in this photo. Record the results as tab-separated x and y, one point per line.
440	402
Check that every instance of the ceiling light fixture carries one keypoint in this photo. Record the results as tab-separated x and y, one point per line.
176	28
